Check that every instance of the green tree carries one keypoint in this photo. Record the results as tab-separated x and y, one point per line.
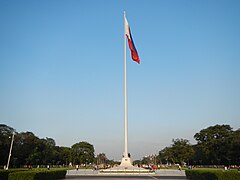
43	152
50	142
137	162
182	150
24	146
213	144
145	160
28	149
63	154
234	151
82	153
167	155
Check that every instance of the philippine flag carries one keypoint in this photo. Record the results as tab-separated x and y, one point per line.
132	47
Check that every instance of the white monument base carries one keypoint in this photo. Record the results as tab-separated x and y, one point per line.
125	167
126	162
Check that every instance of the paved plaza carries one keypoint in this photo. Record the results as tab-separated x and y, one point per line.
159	174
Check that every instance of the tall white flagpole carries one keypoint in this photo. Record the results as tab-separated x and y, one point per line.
125	94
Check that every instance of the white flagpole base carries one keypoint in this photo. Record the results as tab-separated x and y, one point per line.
126	162
126	167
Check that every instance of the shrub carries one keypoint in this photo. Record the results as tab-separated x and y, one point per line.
200	175
38	175
24	175
229	175
4	174
212	175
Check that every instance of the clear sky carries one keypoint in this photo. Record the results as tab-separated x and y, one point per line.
61	70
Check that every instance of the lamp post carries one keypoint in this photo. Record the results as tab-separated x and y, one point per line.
10	151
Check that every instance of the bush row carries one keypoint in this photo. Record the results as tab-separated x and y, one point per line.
33	175
4	173
212	175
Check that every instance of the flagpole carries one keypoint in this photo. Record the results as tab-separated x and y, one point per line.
10	151
125	95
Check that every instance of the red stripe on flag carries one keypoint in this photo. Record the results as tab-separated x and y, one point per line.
133	49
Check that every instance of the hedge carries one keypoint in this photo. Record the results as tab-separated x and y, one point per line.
38	175
4	173
212	175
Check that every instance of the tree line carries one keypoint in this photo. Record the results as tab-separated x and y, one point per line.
216	145
28	149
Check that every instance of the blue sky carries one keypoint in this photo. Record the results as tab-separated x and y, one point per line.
61	70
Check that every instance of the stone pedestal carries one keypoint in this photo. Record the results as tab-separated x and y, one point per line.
126	167
126	162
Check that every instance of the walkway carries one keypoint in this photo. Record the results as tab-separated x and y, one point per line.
91	174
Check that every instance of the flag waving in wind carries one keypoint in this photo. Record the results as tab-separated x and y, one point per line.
132	47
